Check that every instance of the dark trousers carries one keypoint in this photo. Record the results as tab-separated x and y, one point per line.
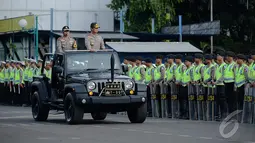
2	92
11	93
183	101
240	97
26	92
221	101
17	97
149	107
6	93
231	96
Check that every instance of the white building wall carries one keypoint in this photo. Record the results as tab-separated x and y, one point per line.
81	12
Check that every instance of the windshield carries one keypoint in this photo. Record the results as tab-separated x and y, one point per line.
91	61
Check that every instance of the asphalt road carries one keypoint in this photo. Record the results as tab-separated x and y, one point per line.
17	126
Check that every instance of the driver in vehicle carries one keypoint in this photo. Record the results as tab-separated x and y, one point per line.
93	41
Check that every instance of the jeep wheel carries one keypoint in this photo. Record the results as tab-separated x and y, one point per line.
138	115
40	111
73	113
99	116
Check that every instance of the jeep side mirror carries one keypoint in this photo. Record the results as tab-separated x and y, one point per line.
58	69
125	68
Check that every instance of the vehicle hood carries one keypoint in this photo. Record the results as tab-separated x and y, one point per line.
95	76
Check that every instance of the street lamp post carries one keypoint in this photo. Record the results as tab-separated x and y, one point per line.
23	23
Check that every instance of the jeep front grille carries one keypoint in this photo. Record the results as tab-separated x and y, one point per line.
111	88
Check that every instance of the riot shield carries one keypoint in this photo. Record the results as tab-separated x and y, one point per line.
154	100
200	93
163	97
247	105
175	106
192	103
210	104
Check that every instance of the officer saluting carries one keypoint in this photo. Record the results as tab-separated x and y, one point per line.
93	41
66	42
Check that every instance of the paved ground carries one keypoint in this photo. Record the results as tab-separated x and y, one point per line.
17	126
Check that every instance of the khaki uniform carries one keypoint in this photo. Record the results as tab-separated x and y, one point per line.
65	43
95	42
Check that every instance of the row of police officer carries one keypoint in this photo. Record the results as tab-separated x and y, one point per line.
16	78
227	74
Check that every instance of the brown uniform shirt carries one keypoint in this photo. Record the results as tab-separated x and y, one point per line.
94	41
65	43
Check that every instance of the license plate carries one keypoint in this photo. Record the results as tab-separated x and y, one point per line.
112	93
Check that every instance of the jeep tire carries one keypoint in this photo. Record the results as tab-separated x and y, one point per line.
73	113
40	111
138	115
99	116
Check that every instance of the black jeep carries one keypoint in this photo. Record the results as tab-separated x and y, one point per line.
87	82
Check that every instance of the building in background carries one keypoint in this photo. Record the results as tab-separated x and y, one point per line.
77	14
81	13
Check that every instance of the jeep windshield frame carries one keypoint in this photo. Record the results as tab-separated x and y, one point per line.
77	62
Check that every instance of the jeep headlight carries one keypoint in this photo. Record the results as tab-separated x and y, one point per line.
91	85
129	84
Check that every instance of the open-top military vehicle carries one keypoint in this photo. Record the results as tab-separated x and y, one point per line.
87	82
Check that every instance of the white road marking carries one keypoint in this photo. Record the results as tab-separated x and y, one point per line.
167	134
115	128
9	125
131	130
148	132
75	138
15	117
97	126
22	117
45	138
207	138
25	125
36	124
185	136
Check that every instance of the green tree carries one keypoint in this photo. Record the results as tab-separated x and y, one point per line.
140	12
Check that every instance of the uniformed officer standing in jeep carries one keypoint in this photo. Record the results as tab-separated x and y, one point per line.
66	42
93	41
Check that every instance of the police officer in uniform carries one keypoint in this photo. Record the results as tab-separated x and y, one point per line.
148	79
220	88
229	81
139	73
66	42
93	41
186	79
133	67
2	64
241	77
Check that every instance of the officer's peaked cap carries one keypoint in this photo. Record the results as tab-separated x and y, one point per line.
241	56
65	28
208	57
170	56
230	54
189	58
148	60
198	56
94	25
159	57
220	53
178	56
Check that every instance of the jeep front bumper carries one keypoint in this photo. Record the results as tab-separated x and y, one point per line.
110	100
